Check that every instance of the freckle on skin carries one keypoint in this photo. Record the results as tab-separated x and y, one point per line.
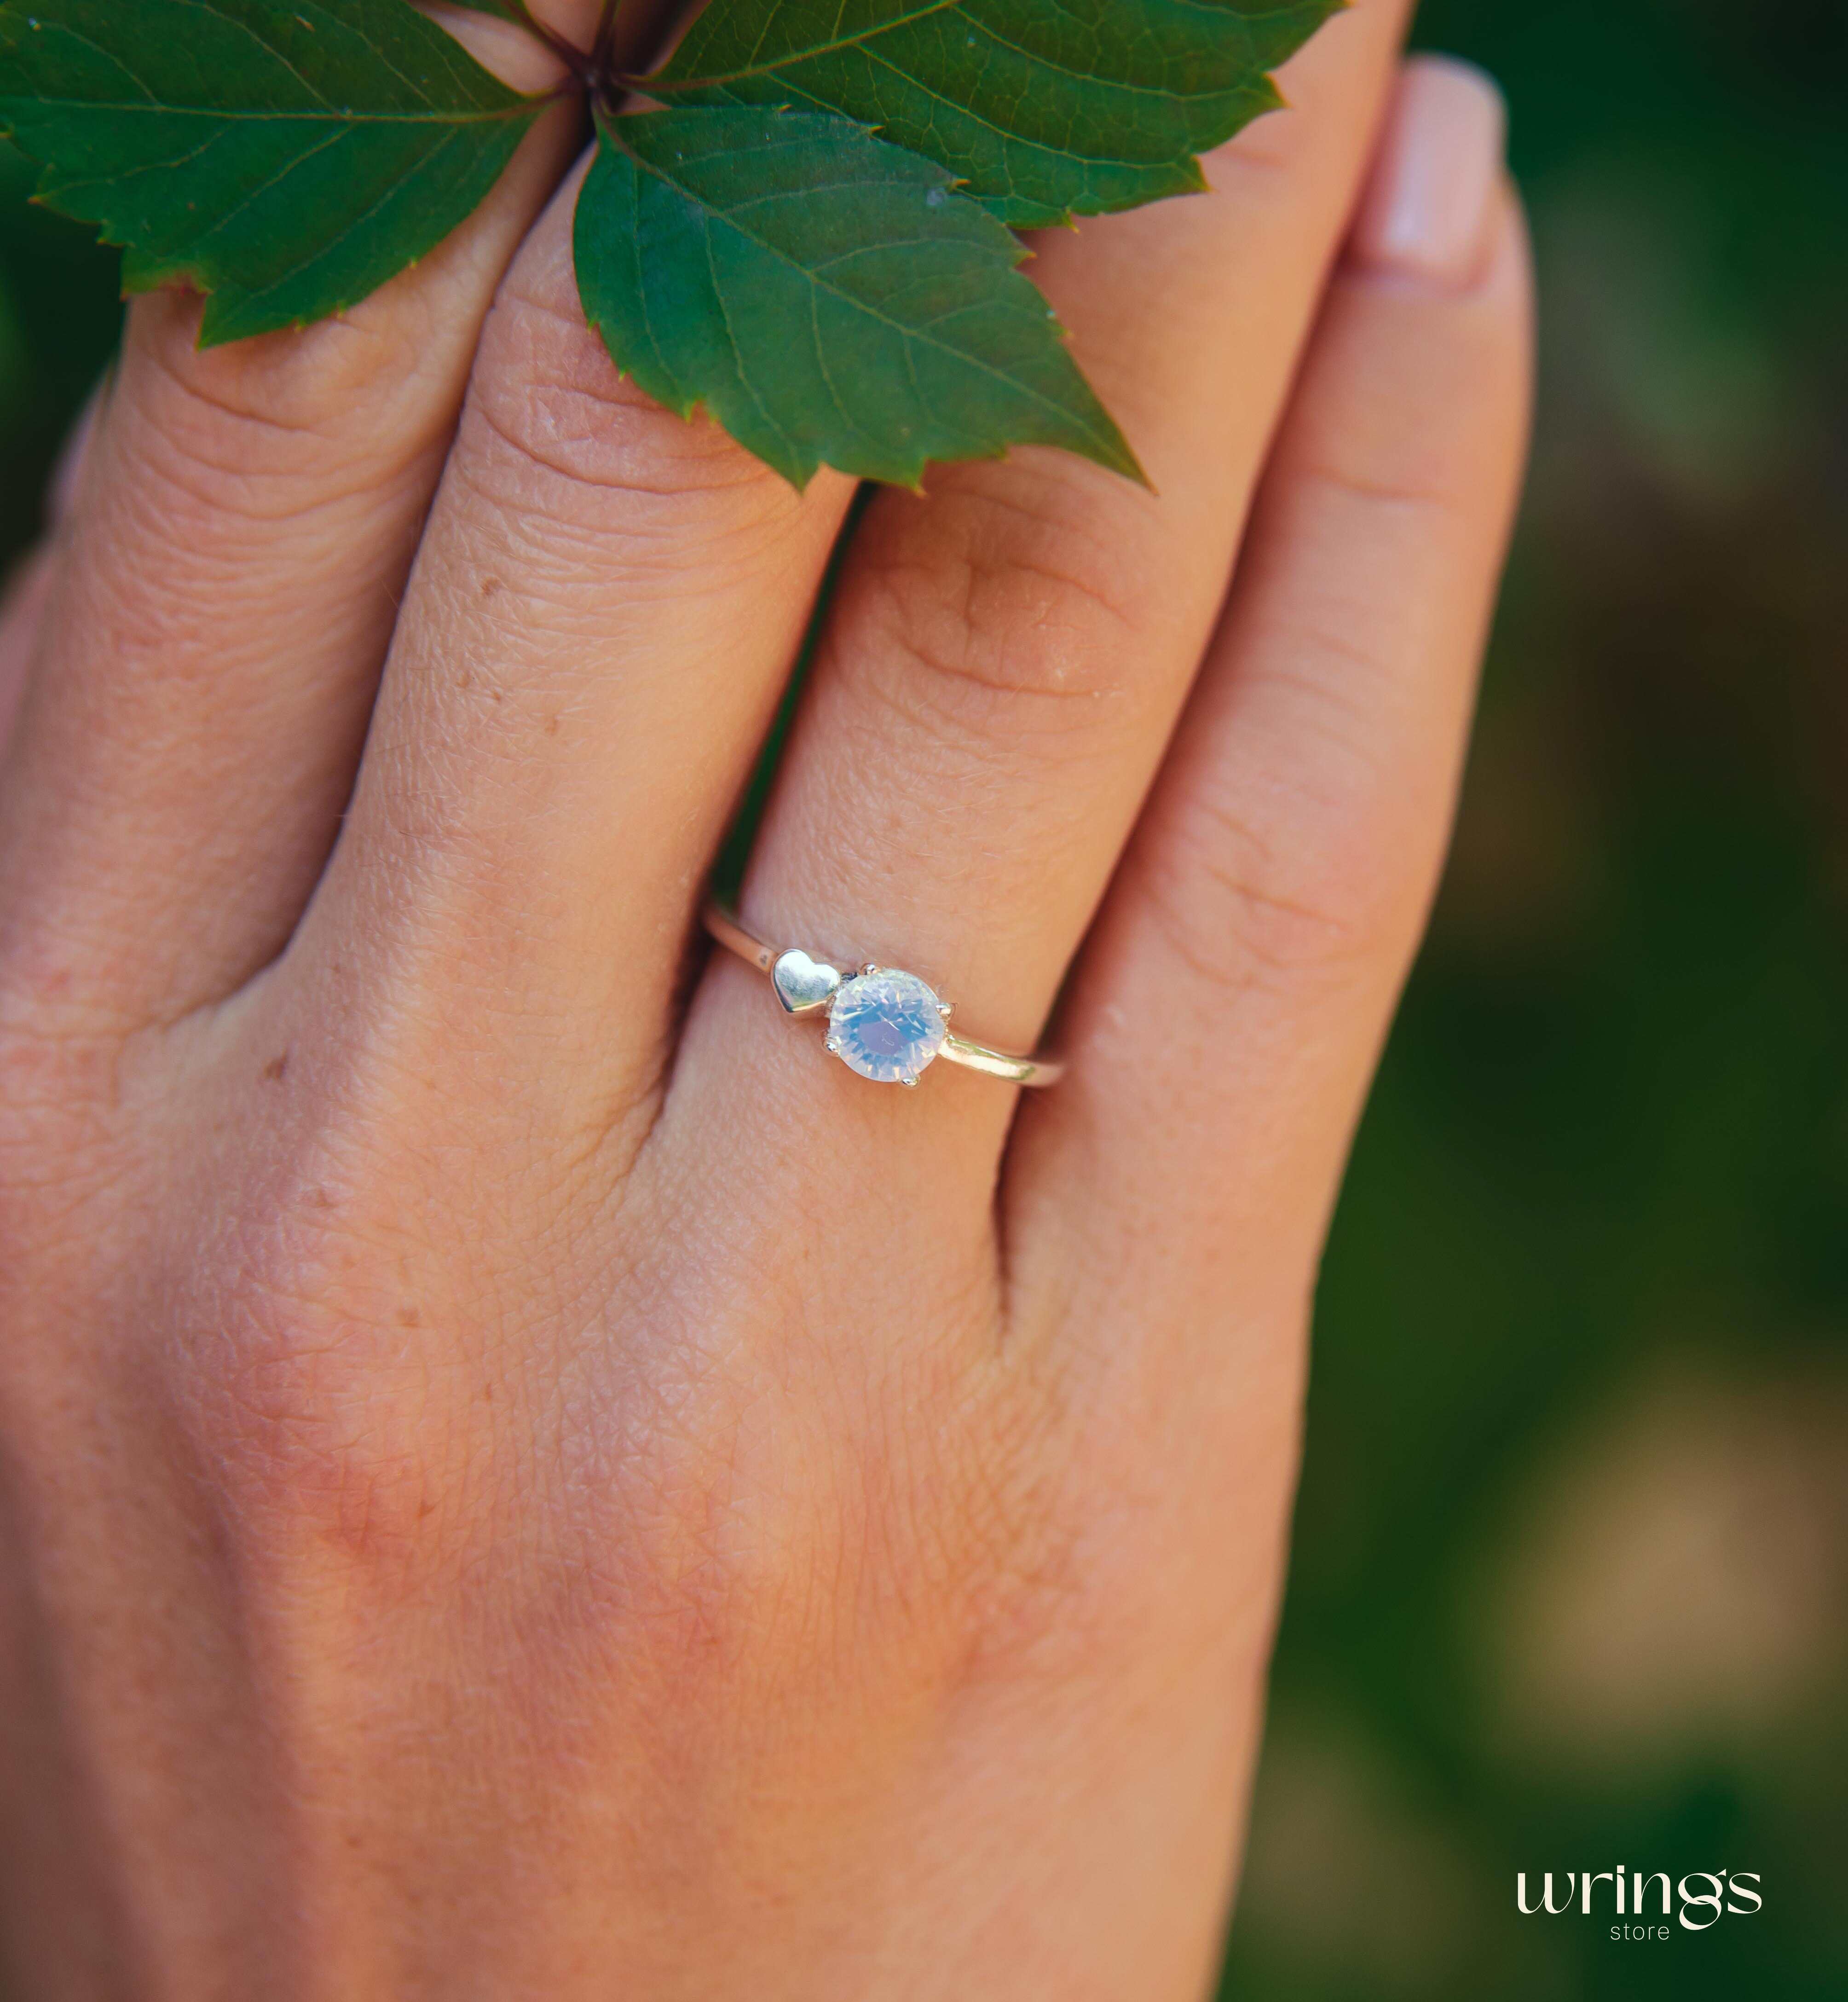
552	726
409	1317
276	1069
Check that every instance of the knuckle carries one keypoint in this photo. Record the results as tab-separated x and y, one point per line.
1018	600
348	1362
1265	152
341	1419
325	1444
269	428
553	434
1422	410
844	1530
1415	486
1305	886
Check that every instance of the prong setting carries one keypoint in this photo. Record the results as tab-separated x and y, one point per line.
887	1025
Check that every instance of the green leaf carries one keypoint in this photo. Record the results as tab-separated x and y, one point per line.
286	158
1043	108
830	299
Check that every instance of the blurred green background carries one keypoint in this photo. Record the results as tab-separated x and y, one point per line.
1570	1582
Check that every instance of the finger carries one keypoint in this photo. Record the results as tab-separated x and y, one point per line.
634	29
73	458
227	582
1231	1002
605	609
1007	656
28	592
22	612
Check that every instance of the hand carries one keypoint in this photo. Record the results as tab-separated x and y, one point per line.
526	1477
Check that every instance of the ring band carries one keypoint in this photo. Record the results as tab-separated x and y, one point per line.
882	1024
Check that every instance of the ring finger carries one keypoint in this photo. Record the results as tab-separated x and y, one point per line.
1007	657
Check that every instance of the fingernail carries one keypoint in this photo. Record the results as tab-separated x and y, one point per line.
1426	208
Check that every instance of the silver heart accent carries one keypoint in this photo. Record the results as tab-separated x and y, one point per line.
803	985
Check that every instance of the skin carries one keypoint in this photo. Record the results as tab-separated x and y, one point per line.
523	1477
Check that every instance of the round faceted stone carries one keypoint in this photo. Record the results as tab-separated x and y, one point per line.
886	1025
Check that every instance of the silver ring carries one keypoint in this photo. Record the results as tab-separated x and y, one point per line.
883	1022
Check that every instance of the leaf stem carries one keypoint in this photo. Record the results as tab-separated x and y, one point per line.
604	45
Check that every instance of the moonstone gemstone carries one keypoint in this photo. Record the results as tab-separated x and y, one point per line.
888	1026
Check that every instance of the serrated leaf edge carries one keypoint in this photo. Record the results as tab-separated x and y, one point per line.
1117	455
